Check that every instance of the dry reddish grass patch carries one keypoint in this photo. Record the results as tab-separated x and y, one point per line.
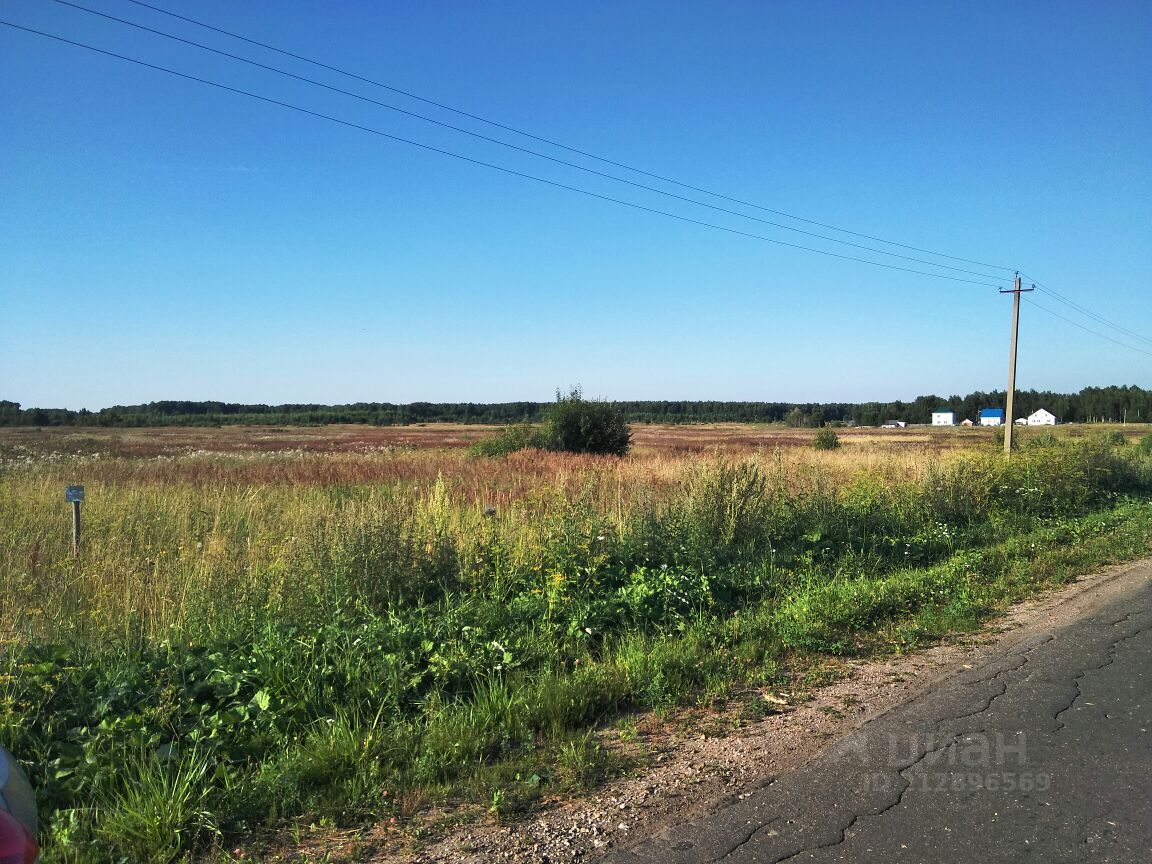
672	439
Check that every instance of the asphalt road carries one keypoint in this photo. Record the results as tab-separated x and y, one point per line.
1042	754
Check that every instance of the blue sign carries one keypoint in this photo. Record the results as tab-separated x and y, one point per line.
73	494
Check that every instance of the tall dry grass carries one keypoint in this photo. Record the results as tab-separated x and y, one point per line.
199	538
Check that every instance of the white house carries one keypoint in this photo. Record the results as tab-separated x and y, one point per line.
943	417
1042	418
991	416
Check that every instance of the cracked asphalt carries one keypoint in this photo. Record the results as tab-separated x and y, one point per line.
1042	753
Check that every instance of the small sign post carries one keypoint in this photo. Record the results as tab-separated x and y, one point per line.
75	494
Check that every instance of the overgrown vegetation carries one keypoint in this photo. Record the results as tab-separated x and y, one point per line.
826	439
572	425
511	439
226	655
578	425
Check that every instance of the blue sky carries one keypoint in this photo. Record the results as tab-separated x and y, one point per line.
160	239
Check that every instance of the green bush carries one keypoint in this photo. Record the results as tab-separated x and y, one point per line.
509	440
578	425
826	439
1145	445
572	425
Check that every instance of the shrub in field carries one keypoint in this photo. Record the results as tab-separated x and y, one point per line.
572	425
826	439
578	425
1145	445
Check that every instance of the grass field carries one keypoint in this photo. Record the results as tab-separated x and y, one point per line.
349	624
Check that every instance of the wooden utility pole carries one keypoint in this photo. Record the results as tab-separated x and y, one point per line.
1009	421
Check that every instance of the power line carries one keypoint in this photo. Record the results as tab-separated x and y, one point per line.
554	143
1056	295
484	164
1086	329
518	148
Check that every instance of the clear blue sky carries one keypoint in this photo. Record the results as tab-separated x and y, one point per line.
160	239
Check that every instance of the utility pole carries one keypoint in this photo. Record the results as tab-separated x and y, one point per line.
1009	422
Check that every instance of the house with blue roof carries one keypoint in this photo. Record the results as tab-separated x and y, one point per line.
991	416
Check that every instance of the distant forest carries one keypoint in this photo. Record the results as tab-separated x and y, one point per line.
1092	404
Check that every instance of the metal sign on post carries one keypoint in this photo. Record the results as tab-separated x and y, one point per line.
74	495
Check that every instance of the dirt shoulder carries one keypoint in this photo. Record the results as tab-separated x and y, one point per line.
695	762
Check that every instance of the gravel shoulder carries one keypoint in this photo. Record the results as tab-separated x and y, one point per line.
698	761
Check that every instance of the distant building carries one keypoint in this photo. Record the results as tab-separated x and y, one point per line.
1021	421
894	424
943	417
991	416
966	422
1041	418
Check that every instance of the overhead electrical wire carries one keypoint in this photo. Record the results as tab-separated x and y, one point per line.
1056	295
474	161
1053	293
1086	329
518	148
551	142
554	143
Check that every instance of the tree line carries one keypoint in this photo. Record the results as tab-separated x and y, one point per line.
1092	404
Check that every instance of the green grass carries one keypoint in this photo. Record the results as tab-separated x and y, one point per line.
221	660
